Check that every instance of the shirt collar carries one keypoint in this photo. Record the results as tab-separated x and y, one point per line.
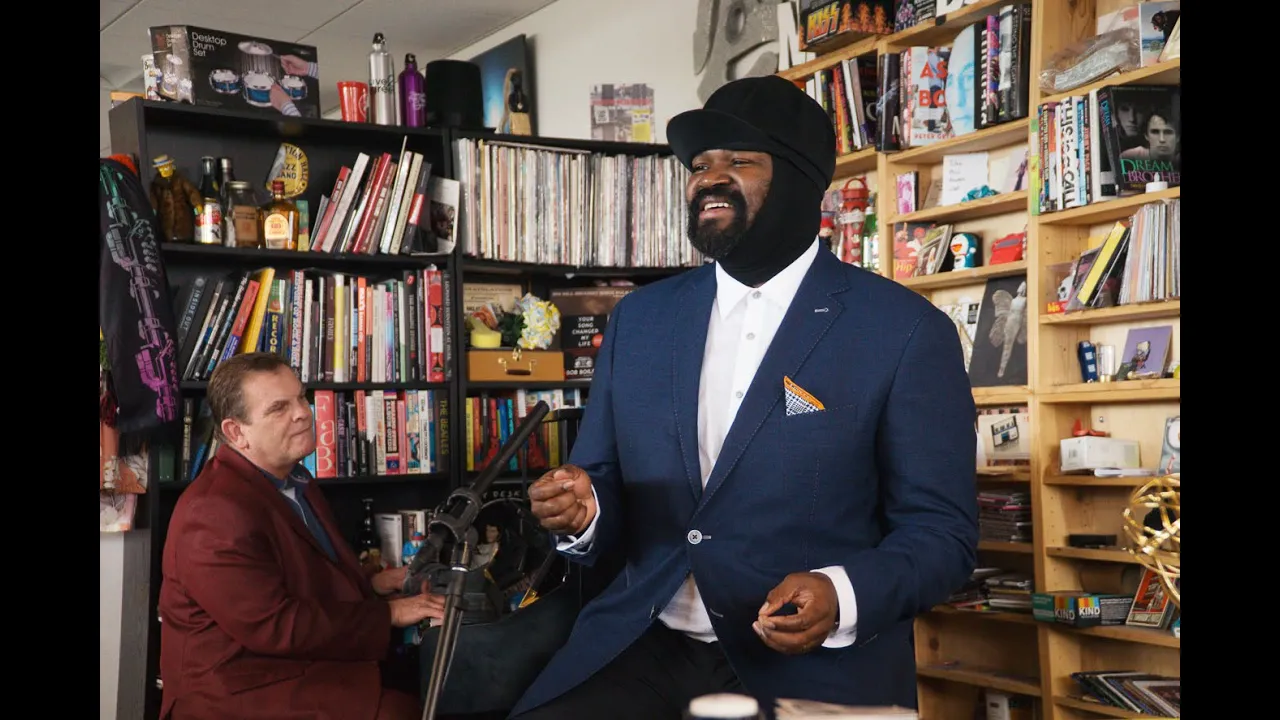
779	289
298	477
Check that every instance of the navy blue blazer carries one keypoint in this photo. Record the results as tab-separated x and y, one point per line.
882	481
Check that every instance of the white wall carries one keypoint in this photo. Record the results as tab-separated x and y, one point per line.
580	43
111	570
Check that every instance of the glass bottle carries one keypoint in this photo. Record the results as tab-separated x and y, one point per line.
225	177
279	226
871	239
242	211
209	215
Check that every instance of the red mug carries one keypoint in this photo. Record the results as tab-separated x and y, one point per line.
353	97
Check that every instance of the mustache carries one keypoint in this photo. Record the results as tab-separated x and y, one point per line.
730	195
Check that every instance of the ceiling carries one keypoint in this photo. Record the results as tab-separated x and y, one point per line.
341	31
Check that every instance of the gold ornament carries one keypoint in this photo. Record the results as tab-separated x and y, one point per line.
1158	550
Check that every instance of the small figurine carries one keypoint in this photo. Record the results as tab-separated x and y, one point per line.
411	548
488	549
175	201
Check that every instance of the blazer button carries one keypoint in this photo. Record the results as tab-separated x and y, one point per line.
694	537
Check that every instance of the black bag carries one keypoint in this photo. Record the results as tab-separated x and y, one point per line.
495	662
500	652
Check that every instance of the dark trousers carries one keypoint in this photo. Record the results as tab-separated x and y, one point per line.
654	679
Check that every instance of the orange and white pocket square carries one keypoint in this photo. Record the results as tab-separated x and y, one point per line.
799	400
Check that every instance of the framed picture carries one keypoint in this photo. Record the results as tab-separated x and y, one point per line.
506	81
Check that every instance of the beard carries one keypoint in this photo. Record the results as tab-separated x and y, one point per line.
710	238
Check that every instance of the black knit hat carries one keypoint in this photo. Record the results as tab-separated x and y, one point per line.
761	114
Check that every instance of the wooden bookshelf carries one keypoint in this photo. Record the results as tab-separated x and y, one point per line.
958	654
1128	409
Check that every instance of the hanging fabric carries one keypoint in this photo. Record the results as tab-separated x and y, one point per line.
135	312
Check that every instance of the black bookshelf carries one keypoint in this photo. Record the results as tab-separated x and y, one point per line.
145	129
201	386
255	257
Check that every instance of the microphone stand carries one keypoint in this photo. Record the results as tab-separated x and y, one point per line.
454	525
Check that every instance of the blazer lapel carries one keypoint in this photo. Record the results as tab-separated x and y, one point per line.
811	314
687	348
272	497
347	559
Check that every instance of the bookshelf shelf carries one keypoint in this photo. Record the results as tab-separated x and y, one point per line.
1114	392
168	117
804	71
1108	211
855	163
986	615
999	474
341	481
982	677
1117	314
1124	633
943	27
561	385
201	386
1111	555
960	278
1165	73
292	258
502	267
620	148
1001	395
1006	547
985	139
972	210
1098	708
1090	481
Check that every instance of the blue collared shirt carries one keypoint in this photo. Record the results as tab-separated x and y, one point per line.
293	489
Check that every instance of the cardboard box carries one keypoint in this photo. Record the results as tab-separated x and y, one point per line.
1080	609
515	365
1088	453
212	68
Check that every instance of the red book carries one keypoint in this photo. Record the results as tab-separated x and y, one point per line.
326	435
435	311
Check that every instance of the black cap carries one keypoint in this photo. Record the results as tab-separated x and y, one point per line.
762	114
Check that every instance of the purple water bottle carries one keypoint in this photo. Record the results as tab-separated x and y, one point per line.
413	95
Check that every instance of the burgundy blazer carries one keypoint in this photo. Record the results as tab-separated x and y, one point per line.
257	621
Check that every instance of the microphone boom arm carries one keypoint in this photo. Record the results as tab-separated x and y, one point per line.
454	525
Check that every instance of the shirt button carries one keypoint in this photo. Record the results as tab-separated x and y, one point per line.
738	394
694	537
756	295
751	336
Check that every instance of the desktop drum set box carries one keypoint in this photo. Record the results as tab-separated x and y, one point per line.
211	68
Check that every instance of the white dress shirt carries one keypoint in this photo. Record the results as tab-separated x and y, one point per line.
742	325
